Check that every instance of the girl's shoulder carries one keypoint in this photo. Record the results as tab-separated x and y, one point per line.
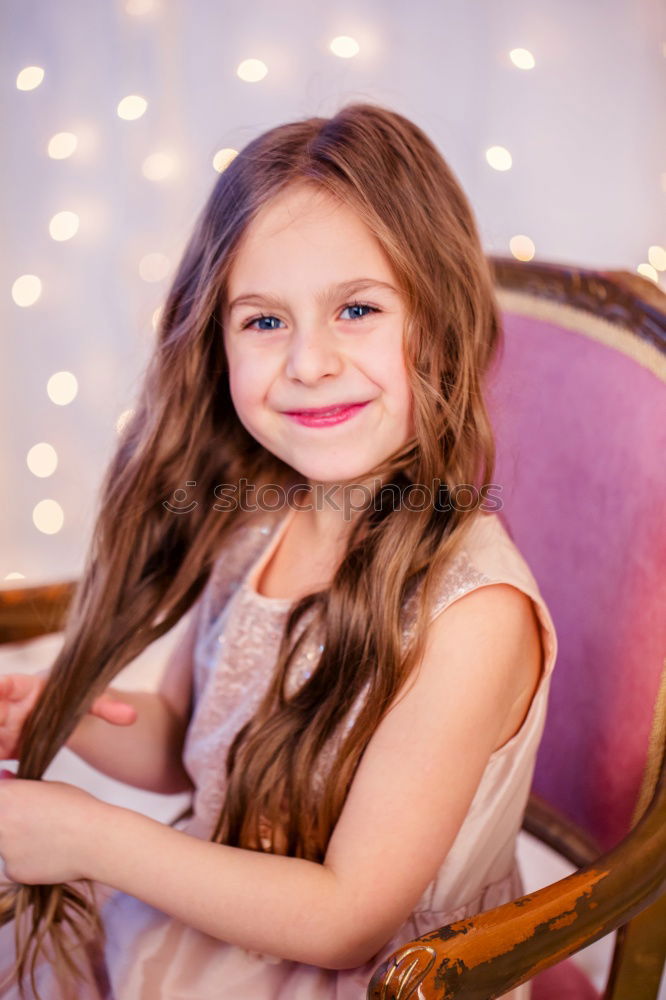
488	554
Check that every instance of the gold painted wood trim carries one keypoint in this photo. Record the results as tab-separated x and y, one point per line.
30	612
609	334
623	298
486	955
639	956
655	752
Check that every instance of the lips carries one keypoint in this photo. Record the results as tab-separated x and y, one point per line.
327	417
324	410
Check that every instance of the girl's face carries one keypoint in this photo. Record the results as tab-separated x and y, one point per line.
296	338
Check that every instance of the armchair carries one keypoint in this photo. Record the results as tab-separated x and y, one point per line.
578	400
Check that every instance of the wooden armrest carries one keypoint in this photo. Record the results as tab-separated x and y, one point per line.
490	953
619	297
553	828
28	612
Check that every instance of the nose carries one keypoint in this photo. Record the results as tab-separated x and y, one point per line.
312	354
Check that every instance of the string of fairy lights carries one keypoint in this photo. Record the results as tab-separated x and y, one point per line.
161	166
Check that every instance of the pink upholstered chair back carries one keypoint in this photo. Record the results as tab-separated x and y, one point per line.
579	408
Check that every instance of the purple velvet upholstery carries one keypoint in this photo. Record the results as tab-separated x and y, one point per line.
564	981
581	435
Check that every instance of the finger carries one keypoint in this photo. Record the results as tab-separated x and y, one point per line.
117	712
17	686
106	703
4	703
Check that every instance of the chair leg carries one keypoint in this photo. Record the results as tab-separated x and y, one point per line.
638	959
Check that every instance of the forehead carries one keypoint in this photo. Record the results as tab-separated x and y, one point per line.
304	205
305	235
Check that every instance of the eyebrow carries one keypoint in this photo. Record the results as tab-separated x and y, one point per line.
344	287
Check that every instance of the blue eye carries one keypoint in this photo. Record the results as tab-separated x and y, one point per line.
360	305
350	305
258	319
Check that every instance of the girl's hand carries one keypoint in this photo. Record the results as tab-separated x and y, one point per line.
18	694
45	830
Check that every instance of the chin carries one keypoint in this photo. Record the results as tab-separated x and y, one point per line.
331	476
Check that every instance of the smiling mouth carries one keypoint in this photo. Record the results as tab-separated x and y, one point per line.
324	411
329	417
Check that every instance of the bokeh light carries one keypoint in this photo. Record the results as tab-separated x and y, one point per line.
155	318
61	145
140	7
522	247
648	271
29	78
657	257
499	158
522	58
158	166
344	46
26	290
62	388
63	226
42	459
132	107
122	419
223	158
48	516
252	70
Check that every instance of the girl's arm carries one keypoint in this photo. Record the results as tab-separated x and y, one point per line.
147	753
410	794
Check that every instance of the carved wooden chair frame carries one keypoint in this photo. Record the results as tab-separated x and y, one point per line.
624	889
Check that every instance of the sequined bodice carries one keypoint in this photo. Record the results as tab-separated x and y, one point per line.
236	652
153	954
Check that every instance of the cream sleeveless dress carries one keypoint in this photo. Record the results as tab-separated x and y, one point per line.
149	954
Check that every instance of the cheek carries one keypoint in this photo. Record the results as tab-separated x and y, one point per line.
394	364
397	382
405	401
248	382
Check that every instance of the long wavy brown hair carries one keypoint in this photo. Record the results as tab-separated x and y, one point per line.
145	566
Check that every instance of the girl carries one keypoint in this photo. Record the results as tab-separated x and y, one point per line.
358	699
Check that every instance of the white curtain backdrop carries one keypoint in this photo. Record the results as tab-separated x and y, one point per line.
584	127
